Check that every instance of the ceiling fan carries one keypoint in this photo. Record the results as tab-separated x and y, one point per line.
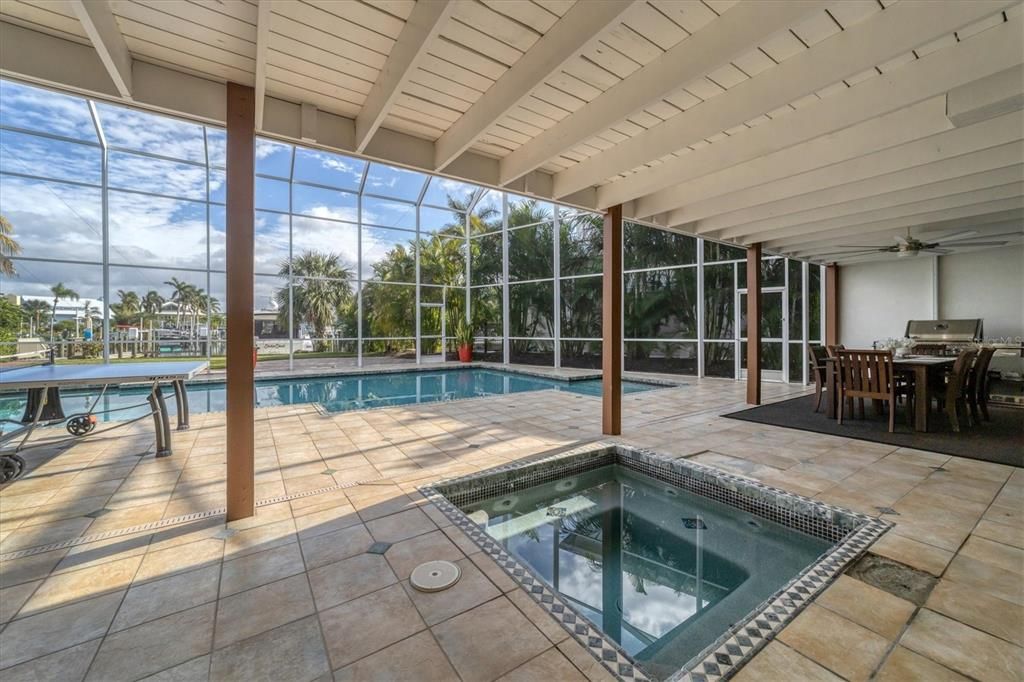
910	246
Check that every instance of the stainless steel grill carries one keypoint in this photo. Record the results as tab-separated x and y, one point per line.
941	337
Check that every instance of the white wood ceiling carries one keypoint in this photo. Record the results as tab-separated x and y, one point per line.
753	120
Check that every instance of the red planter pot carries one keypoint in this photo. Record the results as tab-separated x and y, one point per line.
466	353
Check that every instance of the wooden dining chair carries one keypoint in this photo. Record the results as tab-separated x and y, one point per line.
953	396
977	385
833	349
817	369
866	374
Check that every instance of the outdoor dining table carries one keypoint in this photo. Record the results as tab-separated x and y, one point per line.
917	366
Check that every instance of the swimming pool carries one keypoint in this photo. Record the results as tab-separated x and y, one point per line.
339	393
661	568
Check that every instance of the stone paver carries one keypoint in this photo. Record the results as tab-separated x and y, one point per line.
291	592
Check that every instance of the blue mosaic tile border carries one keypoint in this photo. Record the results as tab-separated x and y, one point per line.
850	532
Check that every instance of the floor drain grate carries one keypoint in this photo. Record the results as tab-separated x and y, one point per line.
379	548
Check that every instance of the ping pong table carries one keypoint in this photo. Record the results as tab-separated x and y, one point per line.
43	383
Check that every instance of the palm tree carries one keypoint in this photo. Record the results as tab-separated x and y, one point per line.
128	307
322	288
179	293
129	302
59	291
195	304
8	247
152	303
34	309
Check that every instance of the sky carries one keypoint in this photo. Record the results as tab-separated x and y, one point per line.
166	212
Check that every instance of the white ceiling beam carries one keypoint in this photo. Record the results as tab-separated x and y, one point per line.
833	118
852	212
899	127
883	36
570	36
1000	93
421	28
960	206
263	13
995	221
1008	190
968	164
985	225
957	249
710	48
104	33
911	157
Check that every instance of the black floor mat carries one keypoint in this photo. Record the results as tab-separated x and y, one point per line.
1000	440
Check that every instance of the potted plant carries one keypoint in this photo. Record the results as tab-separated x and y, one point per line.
464	341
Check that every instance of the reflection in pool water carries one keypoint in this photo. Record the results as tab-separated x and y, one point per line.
658	569
335	393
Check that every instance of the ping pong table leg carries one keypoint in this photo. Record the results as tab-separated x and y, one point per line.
181	402
160	421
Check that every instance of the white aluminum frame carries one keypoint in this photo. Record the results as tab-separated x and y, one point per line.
419	203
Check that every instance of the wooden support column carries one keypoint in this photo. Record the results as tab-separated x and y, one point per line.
754	324
831	304
611	325
241	160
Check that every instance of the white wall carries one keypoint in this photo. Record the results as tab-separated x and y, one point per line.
877	299
986	284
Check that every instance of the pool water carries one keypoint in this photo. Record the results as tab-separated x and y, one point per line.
661	571
335	393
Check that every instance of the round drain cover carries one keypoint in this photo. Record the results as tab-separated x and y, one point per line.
434	576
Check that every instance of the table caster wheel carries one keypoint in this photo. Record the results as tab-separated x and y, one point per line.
11	466
80	426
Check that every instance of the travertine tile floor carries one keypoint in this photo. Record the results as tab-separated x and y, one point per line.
292	594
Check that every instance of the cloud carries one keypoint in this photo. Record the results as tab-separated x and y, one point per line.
54	220
23	106
143	131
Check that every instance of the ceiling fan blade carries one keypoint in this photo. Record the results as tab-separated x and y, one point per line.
900	239
860	246
849	253
953	236
962	244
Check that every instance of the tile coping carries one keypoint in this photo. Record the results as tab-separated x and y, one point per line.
851	532
355	372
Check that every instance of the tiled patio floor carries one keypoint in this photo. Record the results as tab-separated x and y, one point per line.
292	594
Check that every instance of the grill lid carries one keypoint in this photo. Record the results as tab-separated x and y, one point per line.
945	331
